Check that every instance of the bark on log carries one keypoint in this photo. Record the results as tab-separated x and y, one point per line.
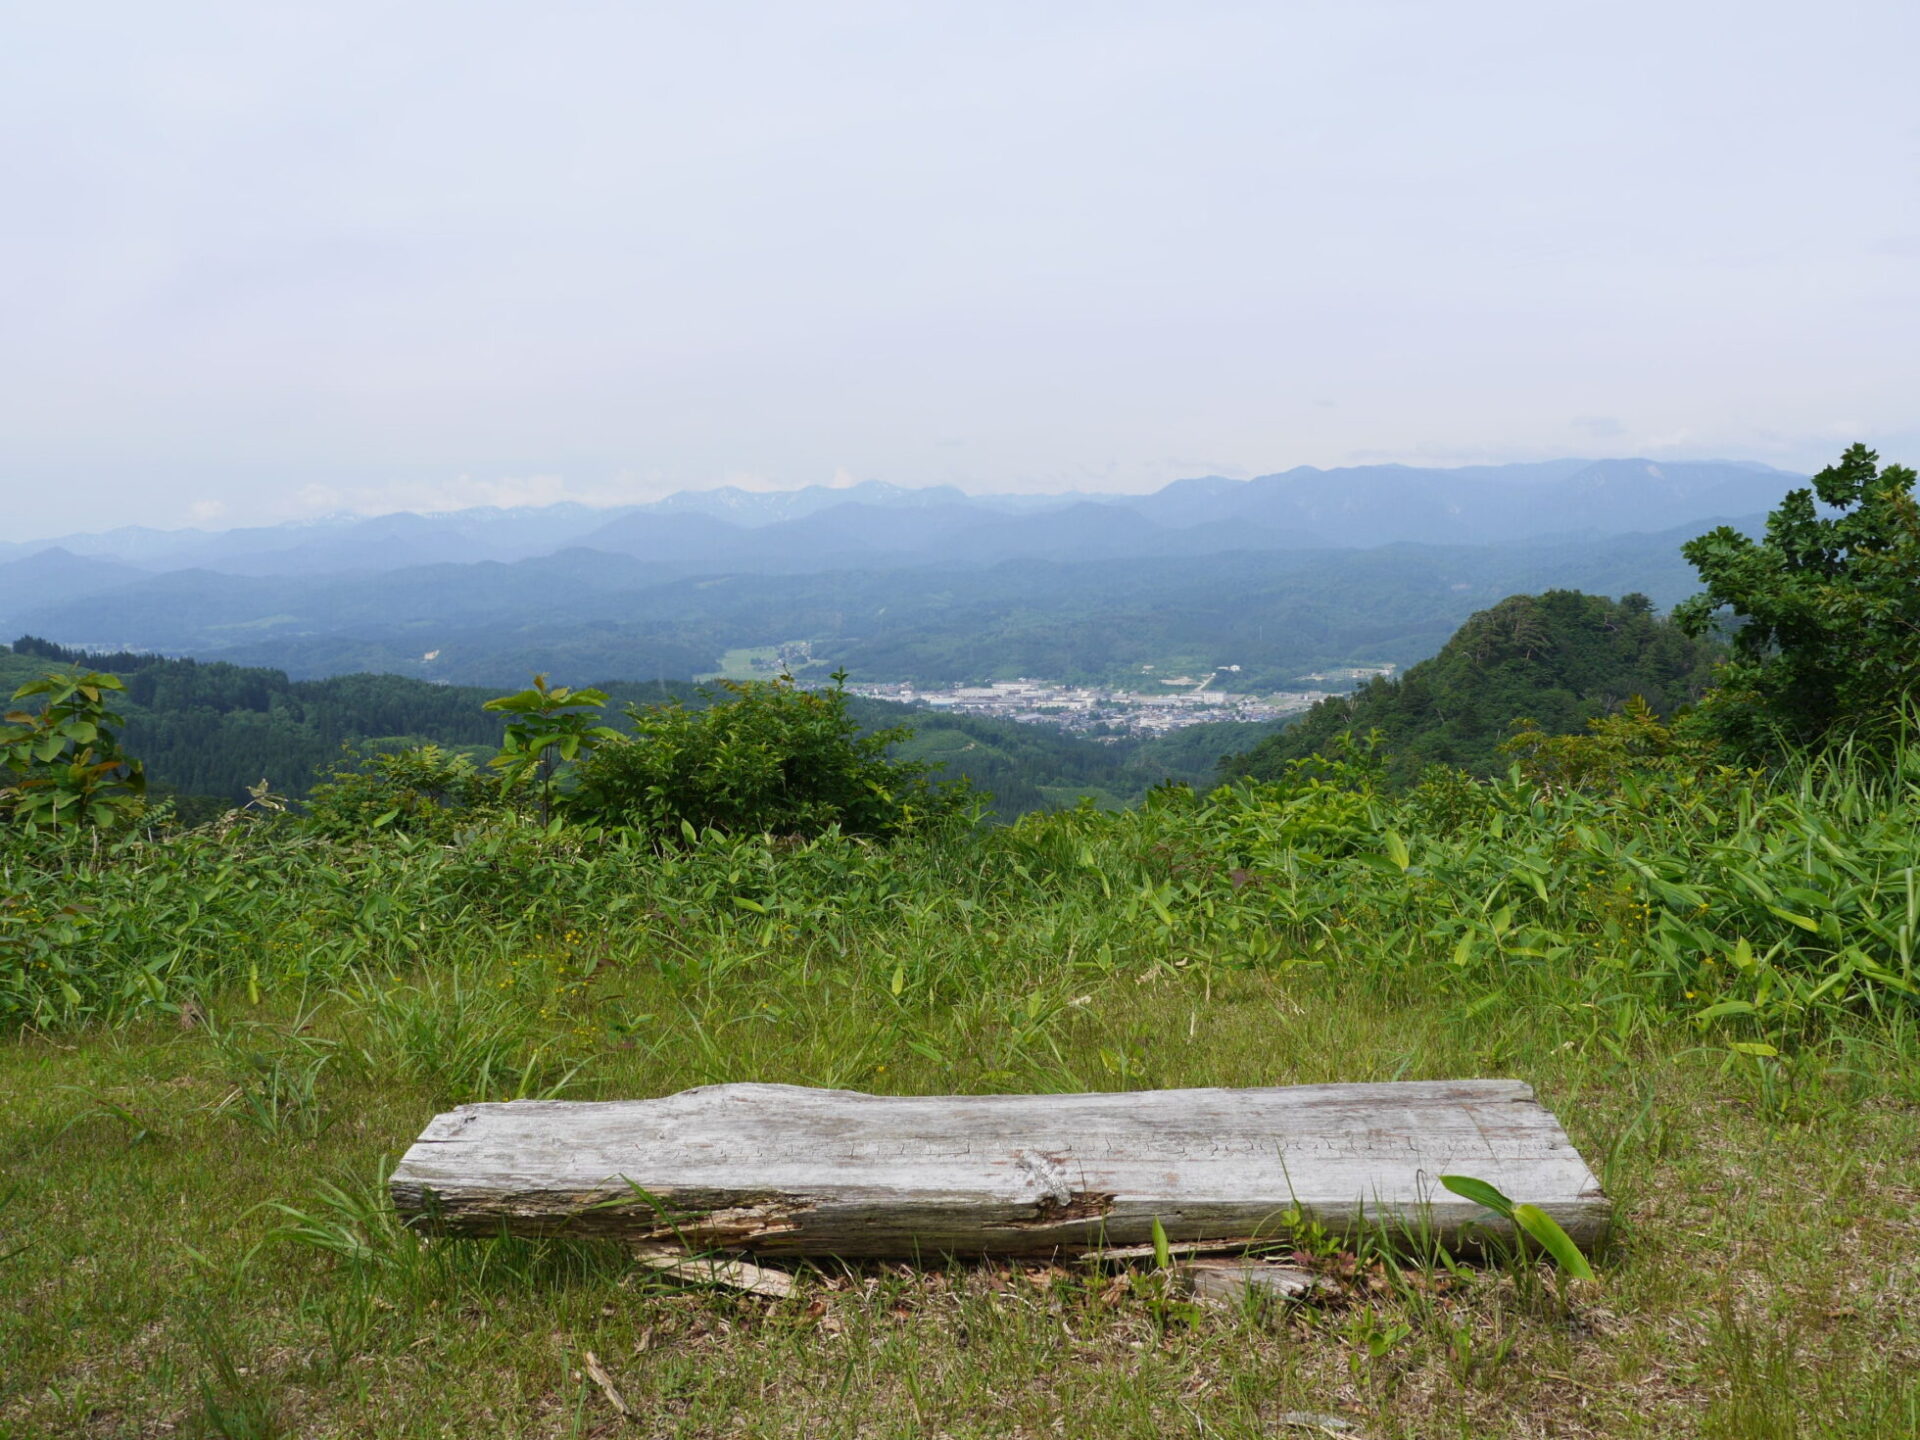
783	1170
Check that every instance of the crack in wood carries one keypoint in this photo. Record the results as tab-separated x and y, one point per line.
1079	1205
736	1227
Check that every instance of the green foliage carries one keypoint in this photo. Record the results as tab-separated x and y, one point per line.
64	761
1020	768
555	723
1752	911
1829	605
1529	1219
421	790
1561	657
774	759
209	729
1627	743
207	732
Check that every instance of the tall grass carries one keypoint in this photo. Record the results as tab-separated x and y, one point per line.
1753	909
223	1039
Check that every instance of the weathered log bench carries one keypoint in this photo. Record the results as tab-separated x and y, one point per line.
783	1170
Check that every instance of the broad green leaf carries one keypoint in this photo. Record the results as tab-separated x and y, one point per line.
1555	1241
1480	1192
1152	898
1397	851
1804	922
1162	1251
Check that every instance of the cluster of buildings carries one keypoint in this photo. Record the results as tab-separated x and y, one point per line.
1105	712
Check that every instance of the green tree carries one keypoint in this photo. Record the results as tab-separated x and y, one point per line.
772	759
554	723
1829	605
64	761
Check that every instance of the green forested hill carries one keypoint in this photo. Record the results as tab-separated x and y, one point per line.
1035	767
211	729
1560	658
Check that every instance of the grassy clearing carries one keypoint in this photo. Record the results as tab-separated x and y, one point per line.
194	1240
1764	1282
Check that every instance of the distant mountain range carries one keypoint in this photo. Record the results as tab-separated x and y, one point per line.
1302	568
876	524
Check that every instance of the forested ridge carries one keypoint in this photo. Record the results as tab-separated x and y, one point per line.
209	728
584	616
1561	659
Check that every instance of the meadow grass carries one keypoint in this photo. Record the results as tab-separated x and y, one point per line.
195	1237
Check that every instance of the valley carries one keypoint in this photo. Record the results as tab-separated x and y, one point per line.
1104	713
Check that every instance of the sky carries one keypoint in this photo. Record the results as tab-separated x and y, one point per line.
262	261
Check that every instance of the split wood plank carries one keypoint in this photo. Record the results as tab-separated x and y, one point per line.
1228	1282
785	1170
729	1274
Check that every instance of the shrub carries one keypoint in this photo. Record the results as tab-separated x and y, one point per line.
1616	746
773	759
555	723
423	790
63	762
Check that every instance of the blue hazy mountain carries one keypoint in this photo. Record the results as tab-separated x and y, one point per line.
55	576
1380	504
873	523
1279	575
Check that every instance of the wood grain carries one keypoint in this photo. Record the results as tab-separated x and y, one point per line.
779	1169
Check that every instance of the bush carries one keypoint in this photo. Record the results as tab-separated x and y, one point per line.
774	759
62	766
1616	746
423	790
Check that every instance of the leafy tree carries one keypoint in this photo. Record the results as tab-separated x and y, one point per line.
773	759
65	761
553	725
1829	605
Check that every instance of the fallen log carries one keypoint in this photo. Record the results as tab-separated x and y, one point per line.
783	1170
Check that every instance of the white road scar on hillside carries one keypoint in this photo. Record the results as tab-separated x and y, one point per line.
783	1170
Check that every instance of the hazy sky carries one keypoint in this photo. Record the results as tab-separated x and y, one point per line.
261	260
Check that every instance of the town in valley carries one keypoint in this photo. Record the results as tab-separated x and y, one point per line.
1102	712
